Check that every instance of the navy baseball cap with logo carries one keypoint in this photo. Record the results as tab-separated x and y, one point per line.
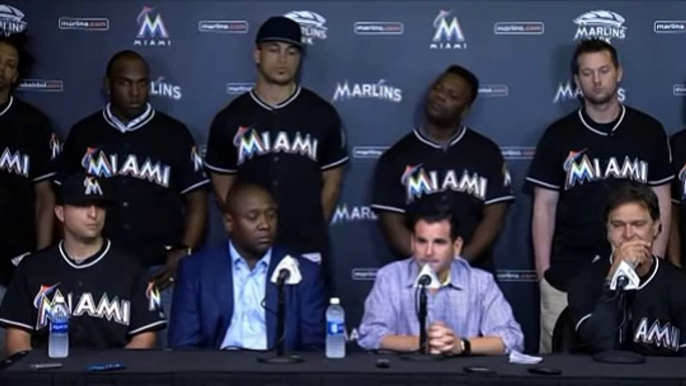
80	189
280	29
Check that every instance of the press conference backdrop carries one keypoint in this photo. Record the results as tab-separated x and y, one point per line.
373	61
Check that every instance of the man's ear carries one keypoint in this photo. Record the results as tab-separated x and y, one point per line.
228	223
59	212
457	245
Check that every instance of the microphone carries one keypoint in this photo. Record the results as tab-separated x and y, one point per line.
427	278
287	272
284	274
625	278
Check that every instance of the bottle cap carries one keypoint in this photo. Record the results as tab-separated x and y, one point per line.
335	301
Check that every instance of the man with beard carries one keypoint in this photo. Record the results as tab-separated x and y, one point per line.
161	206
444	160
28	154
285	138
578	159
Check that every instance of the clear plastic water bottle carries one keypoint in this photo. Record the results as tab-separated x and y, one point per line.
58	341
335	330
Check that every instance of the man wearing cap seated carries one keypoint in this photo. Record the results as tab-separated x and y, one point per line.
225	296
110	302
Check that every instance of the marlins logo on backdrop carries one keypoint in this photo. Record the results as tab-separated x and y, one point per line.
151	29
311	25
580	169
567	91
600	24
419	182
11	20
448	34
249	143
379	90
98	163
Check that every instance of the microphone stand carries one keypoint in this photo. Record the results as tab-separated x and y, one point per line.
422	355
621	356
280	358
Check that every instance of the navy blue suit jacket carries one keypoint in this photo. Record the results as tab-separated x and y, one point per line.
203	302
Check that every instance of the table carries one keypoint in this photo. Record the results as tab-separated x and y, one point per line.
357	369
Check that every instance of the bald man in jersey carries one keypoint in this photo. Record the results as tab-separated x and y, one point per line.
224	297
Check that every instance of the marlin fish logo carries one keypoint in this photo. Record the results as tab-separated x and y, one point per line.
572	157
95	162
43	292
409	171
242	131
43	304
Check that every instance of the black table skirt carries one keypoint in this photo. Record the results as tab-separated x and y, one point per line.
242	368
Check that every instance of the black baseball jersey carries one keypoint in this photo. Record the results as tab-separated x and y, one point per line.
108	294
284	148
678	146
28	154
582	160
656	311
155	161
470	168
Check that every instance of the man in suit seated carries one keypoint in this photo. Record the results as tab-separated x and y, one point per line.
649	319
224	298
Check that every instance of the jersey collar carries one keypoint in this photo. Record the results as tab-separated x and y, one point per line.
430	142
7	108
281	105
89	262
619	122
136	123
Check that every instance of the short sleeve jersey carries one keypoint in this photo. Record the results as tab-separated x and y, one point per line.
29	152
284	148
108	295
154	161
583	162
470	168
657	309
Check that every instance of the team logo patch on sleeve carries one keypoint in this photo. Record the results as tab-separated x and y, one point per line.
196	159
154	298
507	178
55	146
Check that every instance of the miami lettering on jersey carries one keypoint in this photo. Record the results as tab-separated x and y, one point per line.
115	309
419	182
15	162
99	164
660	335
580	168
250	143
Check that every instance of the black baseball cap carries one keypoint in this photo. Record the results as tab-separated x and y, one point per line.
280	29
80	189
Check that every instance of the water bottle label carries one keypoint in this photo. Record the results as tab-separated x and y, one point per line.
59	327
335	328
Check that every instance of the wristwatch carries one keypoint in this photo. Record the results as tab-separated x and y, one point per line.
466	347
